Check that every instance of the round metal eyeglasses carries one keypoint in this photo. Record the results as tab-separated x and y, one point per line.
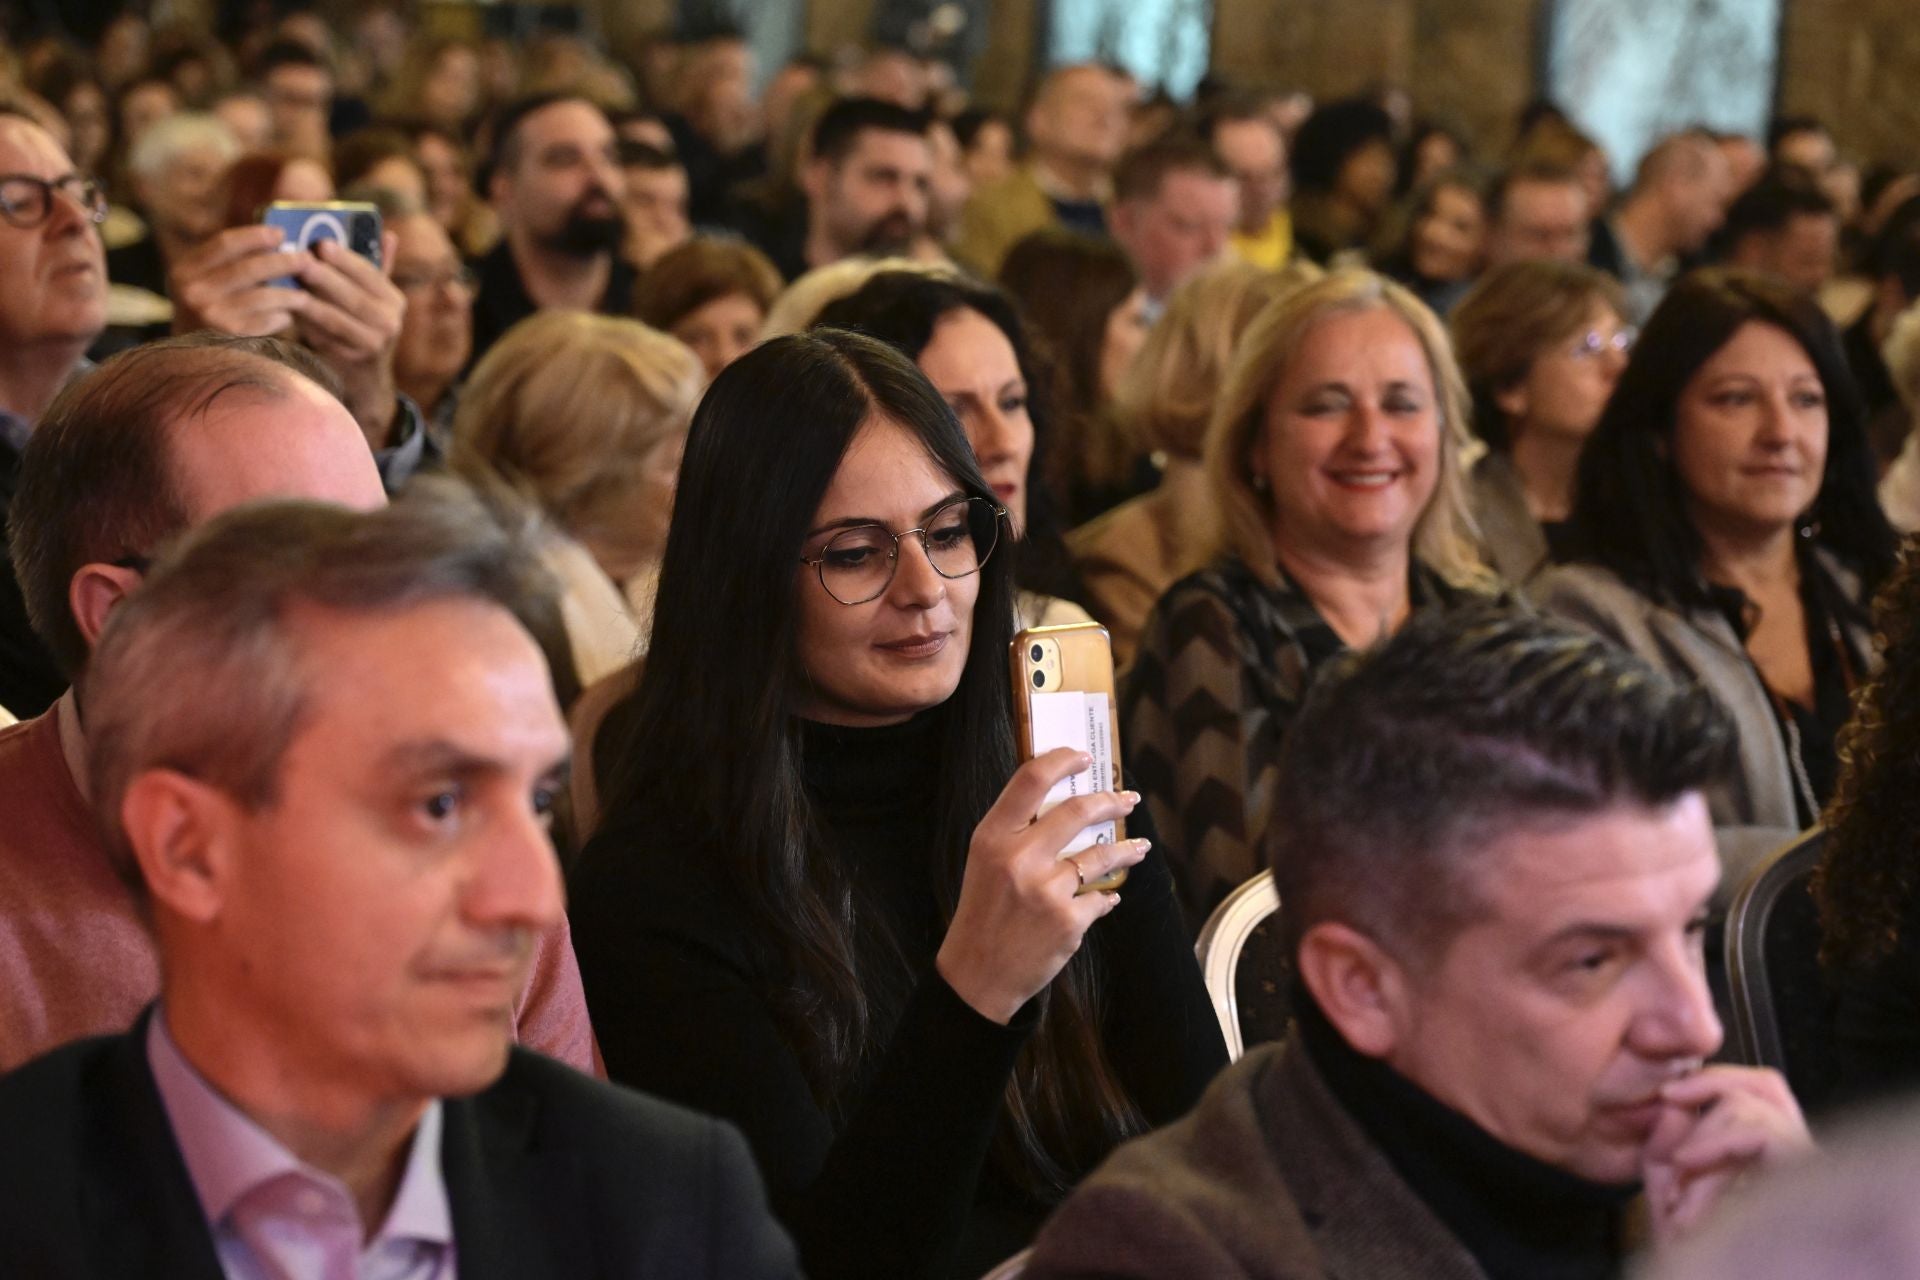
858	562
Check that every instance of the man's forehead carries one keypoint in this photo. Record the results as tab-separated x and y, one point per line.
389	677
1624	865
25	147
566	122
890	146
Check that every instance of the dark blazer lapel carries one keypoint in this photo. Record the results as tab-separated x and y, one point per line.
516	1209
138	1205
1367	1223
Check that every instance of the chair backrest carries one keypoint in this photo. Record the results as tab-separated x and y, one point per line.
1782	1004
1244	961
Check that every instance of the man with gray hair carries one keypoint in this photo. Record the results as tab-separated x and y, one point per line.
325	765
176	166
1493	880
157	441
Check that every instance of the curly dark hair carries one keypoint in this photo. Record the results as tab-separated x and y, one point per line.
1869	873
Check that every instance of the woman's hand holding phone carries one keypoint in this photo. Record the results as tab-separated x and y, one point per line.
1021	916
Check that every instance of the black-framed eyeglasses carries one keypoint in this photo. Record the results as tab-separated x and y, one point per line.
27	201
857	564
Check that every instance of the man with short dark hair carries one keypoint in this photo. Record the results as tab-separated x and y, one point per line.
866	185
1494	878
655	208
1786	226
158	440
327	757
297	84
53	304
1537	211
554	179
1174	205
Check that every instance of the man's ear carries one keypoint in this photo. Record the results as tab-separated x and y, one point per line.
95	591
1360	988
184	834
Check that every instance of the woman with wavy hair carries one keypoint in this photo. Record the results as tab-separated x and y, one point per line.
1128	557
1725	528
1868	883
1333	472
820	904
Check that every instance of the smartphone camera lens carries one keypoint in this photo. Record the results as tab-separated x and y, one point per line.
1036	653
1039	679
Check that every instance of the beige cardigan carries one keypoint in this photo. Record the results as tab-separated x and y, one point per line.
1754	812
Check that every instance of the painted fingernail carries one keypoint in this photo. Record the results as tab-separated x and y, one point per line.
1143	844
1131	797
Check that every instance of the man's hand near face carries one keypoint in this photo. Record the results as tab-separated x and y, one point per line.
1720	1123
347	311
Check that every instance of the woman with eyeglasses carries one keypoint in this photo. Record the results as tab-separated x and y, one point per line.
971	342
1541	345
820	903
1725	528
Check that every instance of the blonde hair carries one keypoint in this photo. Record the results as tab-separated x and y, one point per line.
795	310
1243	515
570	408
1166	397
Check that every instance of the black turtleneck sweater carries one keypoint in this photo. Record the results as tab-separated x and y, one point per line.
679	984
1521	1219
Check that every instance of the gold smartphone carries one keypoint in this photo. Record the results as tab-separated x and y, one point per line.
1063	696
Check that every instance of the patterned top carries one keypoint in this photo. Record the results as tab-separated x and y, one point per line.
1223	666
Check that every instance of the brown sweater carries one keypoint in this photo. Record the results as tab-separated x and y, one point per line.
75	959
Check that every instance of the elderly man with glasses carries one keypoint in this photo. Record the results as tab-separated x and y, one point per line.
53	304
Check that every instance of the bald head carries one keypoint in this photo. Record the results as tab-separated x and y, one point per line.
156	441
1686	182
1079	117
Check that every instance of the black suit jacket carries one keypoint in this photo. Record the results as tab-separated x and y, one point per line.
548	1173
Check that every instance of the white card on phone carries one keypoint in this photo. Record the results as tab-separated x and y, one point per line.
1083	721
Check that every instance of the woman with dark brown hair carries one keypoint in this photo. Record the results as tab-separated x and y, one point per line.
820	904
1084	306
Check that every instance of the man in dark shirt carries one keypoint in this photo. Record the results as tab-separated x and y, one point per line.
555	181
1494	872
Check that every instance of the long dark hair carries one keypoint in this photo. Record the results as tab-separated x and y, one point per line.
726	782
1629	511
1068	284
1869	874
902	308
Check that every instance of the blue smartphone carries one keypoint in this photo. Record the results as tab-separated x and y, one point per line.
352	223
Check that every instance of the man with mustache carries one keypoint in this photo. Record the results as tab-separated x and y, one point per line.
327	754
554	179
1494	878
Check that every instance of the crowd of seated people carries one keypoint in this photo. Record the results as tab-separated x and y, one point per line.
509	758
